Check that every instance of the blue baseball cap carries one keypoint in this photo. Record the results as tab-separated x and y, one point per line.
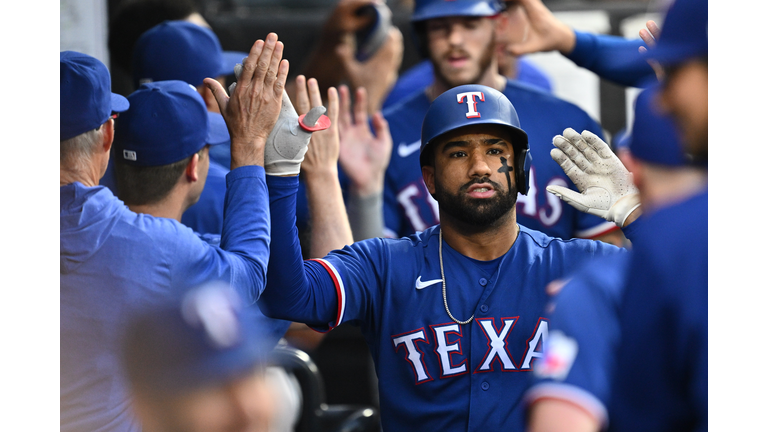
167	122
181	50
207	336
654	138
684	34
86	99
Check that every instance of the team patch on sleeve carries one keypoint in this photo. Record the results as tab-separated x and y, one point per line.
559	353
340	292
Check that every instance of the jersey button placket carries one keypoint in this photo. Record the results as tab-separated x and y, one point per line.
483	281
484	308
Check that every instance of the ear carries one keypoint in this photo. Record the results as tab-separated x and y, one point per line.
428	173
191	170
109	135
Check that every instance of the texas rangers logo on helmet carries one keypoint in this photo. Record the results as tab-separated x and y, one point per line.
471	102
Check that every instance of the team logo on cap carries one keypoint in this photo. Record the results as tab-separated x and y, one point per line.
471	102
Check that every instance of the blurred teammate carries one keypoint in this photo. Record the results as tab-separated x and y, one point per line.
572	392
662	364
512	27
199	363
114	261
460	40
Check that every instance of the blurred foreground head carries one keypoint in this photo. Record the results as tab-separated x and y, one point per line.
197	364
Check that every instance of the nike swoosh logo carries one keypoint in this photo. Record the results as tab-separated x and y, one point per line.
422	285
405	150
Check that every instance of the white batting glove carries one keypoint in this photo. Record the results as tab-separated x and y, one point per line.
287	142
606	186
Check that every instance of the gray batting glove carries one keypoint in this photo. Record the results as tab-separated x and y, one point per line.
606	186
288	141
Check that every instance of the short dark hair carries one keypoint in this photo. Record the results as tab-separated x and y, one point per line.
142	185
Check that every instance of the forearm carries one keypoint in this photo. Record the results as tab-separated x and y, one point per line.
366	215
246	230
296	290
609	57
329	224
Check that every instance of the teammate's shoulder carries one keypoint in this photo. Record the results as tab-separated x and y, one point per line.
524	93
416	101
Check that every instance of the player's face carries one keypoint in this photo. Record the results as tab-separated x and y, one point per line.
472	177
242	405
684	96
461	48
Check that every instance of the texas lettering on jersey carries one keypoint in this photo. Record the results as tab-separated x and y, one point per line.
445	341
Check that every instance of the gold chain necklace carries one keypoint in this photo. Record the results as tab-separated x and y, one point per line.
445	298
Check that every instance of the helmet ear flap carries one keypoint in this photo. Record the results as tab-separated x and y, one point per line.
523	166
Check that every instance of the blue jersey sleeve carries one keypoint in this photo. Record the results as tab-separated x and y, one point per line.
241	260
611	57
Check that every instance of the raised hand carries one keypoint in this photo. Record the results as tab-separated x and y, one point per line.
607	189
364	155
546	32
322	157
252	109
649	34
378	73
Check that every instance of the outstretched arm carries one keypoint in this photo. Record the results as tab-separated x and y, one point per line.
608	56
327	215
364	158
250	113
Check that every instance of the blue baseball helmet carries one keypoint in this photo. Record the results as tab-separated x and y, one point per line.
475	104
429	9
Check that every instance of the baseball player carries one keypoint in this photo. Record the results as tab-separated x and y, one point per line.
572	389
458	36
513	27
452	315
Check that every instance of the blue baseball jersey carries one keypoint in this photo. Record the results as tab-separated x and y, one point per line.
661	383
409	208
580	352
206	216
434	374
421	75
114	262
